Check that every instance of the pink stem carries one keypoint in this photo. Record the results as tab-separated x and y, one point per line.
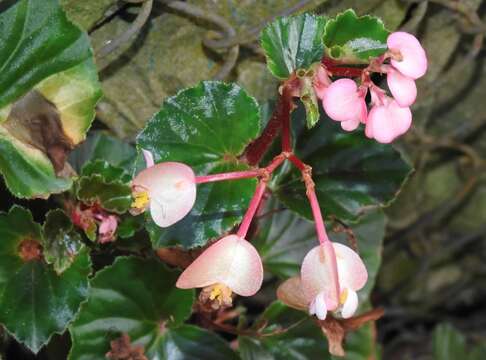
321	231
252	208
227	176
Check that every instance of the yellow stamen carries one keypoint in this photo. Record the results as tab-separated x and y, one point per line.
343	296
218	295
140	200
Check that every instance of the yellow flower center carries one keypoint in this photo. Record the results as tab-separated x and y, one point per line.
218	295
140	200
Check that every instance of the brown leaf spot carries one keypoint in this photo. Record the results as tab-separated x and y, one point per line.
35	121
122	349
30	250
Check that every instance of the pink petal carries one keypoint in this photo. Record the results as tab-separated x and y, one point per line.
342	101
389	121
231	261
317	276
107	228
172	191
350	125
414	59
402	87
351	269
350	305
321	82
149	158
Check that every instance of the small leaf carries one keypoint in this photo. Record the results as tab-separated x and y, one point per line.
36	302
351	172
354	40
110	173
115	196
206	127
62	243
292	43
138	297
48	76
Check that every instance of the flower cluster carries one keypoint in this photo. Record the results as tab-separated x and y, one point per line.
389	117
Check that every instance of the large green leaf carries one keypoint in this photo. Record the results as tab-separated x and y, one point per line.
206	127
292	43
352	39
139	298
44	57
36	302
351	173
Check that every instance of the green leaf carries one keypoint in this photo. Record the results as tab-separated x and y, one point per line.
104	184
35	302
101	146
352	39
292	43
139	298
351	173
47	69
62	243
206	127
109	172
448	343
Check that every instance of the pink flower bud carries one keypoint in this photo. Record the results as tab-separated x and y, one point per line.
402	87
410	58
168	189
107	228
231	262
318	284
387	121
321	81
344	102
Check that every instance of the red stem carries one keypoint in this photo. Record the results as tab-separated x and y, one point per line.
228	176
286	109
334	68
252	208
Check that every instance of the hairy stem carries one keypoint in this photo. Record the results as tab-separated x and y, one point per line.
228	176
252	208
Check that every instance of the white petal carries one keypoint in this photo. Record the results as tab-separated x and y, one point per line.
321	308
352	271
350	305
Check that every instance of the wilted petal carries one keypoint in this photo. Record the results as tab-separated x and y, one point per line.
414	60
389	121
350	304
317	275
402	87
342	101
107	228
232	261
172	191
351	269
290	292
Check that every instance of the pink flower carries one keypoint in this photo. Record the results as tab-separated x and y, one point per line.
168	189
321	82
402	87
344	102
408	56
107	228
229	265
316	288
387	119
319	286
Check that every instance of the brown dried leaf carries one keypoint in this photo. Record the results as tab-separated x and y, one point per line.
291	294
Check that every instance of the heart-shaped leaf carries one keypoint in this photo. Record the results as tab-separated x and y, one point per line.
138	298
292	43
206	127
48	91
354	40
35	301
350	172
